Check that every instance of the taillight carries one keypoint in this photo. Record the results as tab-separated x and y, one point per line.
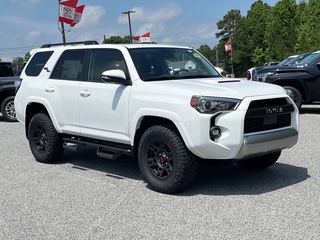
17	84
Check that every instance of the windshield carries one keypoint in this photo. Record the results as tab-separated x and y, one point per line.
171	63
298	59
284	61
310	59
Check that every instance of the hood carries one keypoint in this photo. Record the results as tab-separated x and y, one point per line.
279	69
218	87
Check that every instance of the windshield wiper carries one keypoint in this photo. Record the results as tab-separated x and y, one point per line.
162	77
199	76
178	76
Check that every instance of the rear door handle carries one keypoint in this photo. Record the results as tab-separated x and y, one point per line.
49	89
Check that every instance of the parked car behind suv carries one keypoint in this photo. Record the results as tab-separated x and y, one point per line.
137	100
259	74
284	62
301	81
7	91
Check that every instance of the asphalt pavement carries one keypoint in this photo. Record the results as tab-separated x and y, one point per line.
87	197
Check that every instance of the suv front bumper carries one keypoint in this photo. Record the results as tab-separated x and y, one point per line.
263	143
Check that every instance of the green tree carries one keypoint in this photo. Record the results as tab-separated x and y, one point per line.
206	51
256	22
309	34
117	39
126	39
227	26
281	30
27	56
18	59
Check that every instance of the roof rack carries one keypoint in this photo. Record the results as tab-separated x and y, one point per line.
70	43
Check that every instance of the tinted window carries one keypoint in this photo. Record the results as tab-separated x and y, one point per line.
103	60
37	63
5	69
69	66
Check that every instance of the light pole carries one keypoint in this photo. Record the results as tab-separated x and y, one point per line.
62	27
128	13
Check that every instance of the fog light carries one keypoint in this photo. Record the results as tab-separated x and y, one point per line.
215	132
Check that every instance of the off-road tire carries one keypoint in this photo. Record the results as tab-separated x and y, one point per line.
165	163
261	162
7	109
44	141
296	96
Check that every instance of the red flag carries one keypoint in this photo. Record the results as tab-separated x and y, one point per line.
145	37
228	46
135	39
67	11
77	15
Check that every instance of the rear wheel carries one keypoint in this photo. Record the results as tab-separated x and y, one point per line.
165	163
7	109
45	143
260	162
295	95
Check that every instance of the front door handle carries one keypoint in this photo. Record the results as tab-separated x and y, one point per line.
85	93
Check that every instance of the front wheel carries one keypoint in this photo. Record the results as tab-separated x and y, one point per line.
45	143
295	95
7	109
261	162
165	163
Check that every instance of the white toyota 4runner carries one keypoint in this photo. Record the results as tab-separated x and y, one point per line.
166	106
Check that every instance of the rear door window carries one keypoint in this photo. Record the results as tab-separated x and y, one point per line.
70	65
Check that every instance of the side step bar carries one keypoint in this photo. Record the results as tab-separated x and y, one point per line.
103	150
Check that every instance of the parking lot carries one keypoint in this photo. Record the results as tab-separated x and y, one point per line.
87	197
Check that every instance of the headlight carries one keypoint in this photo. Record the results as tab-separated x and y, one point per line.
211	105
262	76
267	75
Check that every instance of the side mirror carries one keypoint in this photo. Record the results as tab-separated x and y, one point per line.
115	76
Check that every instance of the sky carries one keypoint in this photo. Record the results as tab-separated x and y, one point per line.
28	24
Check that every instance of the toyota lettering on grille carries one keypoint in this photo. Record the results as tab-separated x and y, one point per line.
274	110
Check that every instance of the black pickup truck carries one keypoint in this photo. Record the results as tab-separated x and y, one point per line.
301	81
7	91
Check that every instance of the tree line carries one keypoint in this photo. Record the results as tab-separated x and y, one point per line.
266	34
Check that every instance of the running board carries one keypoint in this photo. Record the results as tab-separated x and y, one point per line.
103	150
107	153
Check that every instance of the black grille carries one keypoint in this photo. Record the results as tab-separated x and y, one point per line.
269	114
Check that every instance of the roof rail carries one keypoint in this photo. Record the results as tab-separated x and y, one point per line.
70	43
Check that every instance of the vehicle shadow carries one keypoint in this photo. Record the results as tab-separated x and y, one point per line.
2	119
234	180
87	159
227	180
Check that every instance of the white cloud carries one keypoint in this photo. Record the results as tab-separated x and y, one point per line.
206	31
155	28
89	36
91	16
167	40
38	38
151	16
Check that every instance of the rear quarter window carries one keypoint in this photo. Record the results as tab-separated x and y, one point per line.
37	63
